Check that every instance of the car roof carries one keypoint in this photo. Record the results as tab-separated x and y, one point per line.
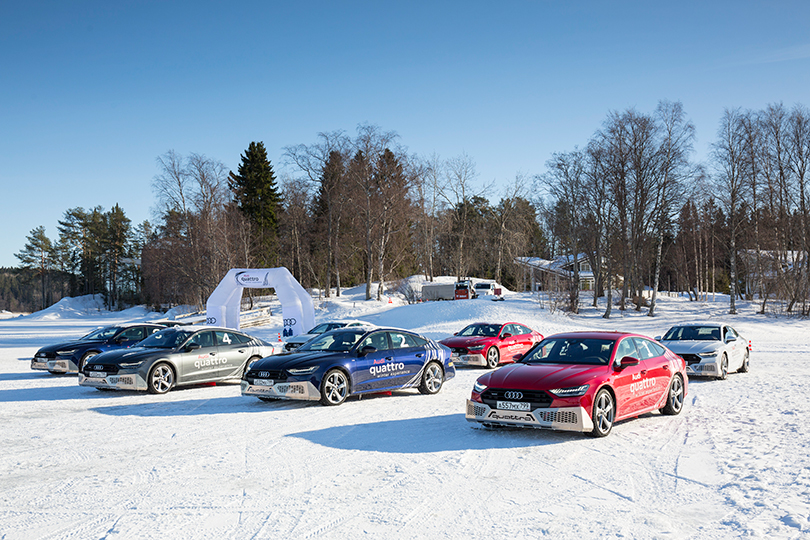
699	323
596	334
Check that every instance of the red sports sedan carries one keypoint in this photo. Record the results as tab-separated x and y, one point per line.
488	344
581	381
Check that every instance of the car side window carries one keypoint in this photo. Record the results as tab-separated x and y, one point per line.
203	339
135	333
226	338
508	329
378	340
626	348
524	329
401	340
645	349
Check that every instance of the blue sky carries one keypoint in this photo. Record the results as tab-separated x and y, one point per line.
91	93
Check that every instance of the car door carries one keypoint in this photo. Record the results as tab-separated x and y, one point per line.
410	356
658	372
372	370
509	342
525	338
628	380
198	364
733	348
232	353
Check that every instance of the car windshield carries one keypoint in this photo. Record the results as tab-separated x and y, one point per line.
576	350
693	333
334	341
487	330
483	286
170	338
325	327
102	333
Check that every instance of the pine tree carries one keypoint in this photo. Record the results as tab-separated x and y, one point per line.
38	255
257	196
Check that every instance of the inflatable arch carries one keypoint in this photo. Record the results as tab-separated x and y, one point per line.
223	306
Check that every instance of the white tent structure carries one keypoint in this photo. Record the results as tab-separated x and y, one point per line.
222	307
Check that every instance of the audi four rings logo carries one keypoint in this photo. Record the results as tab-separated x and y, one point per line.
289	322
513	395
264	374
211	320
98	368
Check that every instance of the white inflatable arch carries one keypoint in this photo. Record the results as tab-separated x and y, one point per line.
223	306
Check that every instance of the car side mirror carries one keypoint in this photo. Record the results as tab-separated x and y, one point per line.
366	350
192	347
628	361
730	338
506	335
455	333
657	338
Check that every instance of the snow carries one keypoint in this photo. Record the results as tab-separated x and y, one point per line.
206	462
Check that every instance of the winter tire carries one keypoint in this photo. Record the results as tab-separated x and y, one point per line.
604	411
723	368
432	379
85	358
161	379
334	388
250	361
674	397
744	367
493	357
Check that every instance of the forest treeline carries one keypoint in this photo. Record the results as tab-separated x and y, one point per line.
360	209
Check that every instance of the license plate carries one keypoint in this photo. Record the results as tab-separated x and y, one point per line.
512	406
96	375
263	382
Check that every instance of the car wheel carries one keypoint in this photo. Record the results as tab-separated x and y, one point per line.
604	411
744	367
161	379
432	379
493	357
723	368
85	358
675	397
334	388
250	362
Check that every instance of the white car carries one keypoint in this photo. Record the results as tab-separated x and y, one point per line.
709	349
484	288
296	341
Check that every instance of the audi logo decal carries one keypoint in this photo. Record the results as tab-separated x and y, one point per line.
98	368
264	374
513	395
289	322
211	320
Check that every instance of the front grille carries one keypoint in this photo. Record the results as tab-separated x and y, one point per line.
267	374
458	350
291	346
536	398
45	355
691	358
561	417
106	368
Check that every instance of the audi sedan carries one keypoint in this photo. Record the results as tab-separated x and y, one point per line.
296	341
351	361
490	344
71	356
709	349
581	381
178	356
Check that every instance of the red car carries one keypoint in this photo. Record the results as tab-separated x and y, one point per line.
581	381
487	344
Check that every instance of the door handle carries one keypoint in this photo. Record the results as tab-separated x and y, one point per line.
389	358
666	367
643	371
212	354
420	355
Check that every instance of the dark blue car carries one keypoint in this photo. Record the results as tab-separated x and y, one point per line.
349	361
70	356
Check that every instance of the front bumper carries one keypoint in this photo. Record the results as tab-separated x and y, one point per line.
116	381
704	369
469	360
39	363
60	364
563	418
298	390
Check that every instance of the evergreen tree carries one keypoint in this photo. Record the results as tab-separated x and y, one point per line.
257	196
38	254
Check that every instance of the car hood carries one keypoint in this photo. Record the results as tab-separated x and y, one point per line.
69	345
134	354
295	359
466	341
691	346
542	376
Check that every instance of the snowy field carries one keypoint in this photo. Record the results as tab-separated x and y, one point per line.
207	463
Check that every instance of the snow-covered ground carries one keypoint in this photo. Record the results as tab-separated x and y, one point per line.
208	463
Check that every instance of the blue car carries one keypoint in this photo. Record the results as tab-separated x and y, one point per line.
71	356
351	361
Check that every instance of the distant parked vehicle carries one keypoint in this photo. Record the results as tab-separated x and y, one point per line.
438	291
483	288
489	344
71	356
178	356
464	290
709	349
296	341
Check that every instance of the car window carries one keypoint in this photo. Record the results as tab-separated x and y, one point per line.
226	338
508	329
203	339
136	333
646	349
102	333
626	348
242	338
572	350
378	340
522	330
401	340
487	330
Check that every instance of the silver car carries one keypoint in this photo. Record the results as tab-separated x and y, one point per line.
183	355
709	349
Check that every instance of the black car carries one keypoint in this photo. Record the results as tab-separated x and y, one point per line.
70	357
348	361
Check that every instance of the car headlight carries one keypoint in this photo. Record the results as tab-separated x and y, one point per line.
66	352
479	388
574	391
302	371
708	354
130	365
476	348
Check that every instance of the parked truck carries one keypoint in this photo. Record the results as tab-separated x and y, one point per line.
438	291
